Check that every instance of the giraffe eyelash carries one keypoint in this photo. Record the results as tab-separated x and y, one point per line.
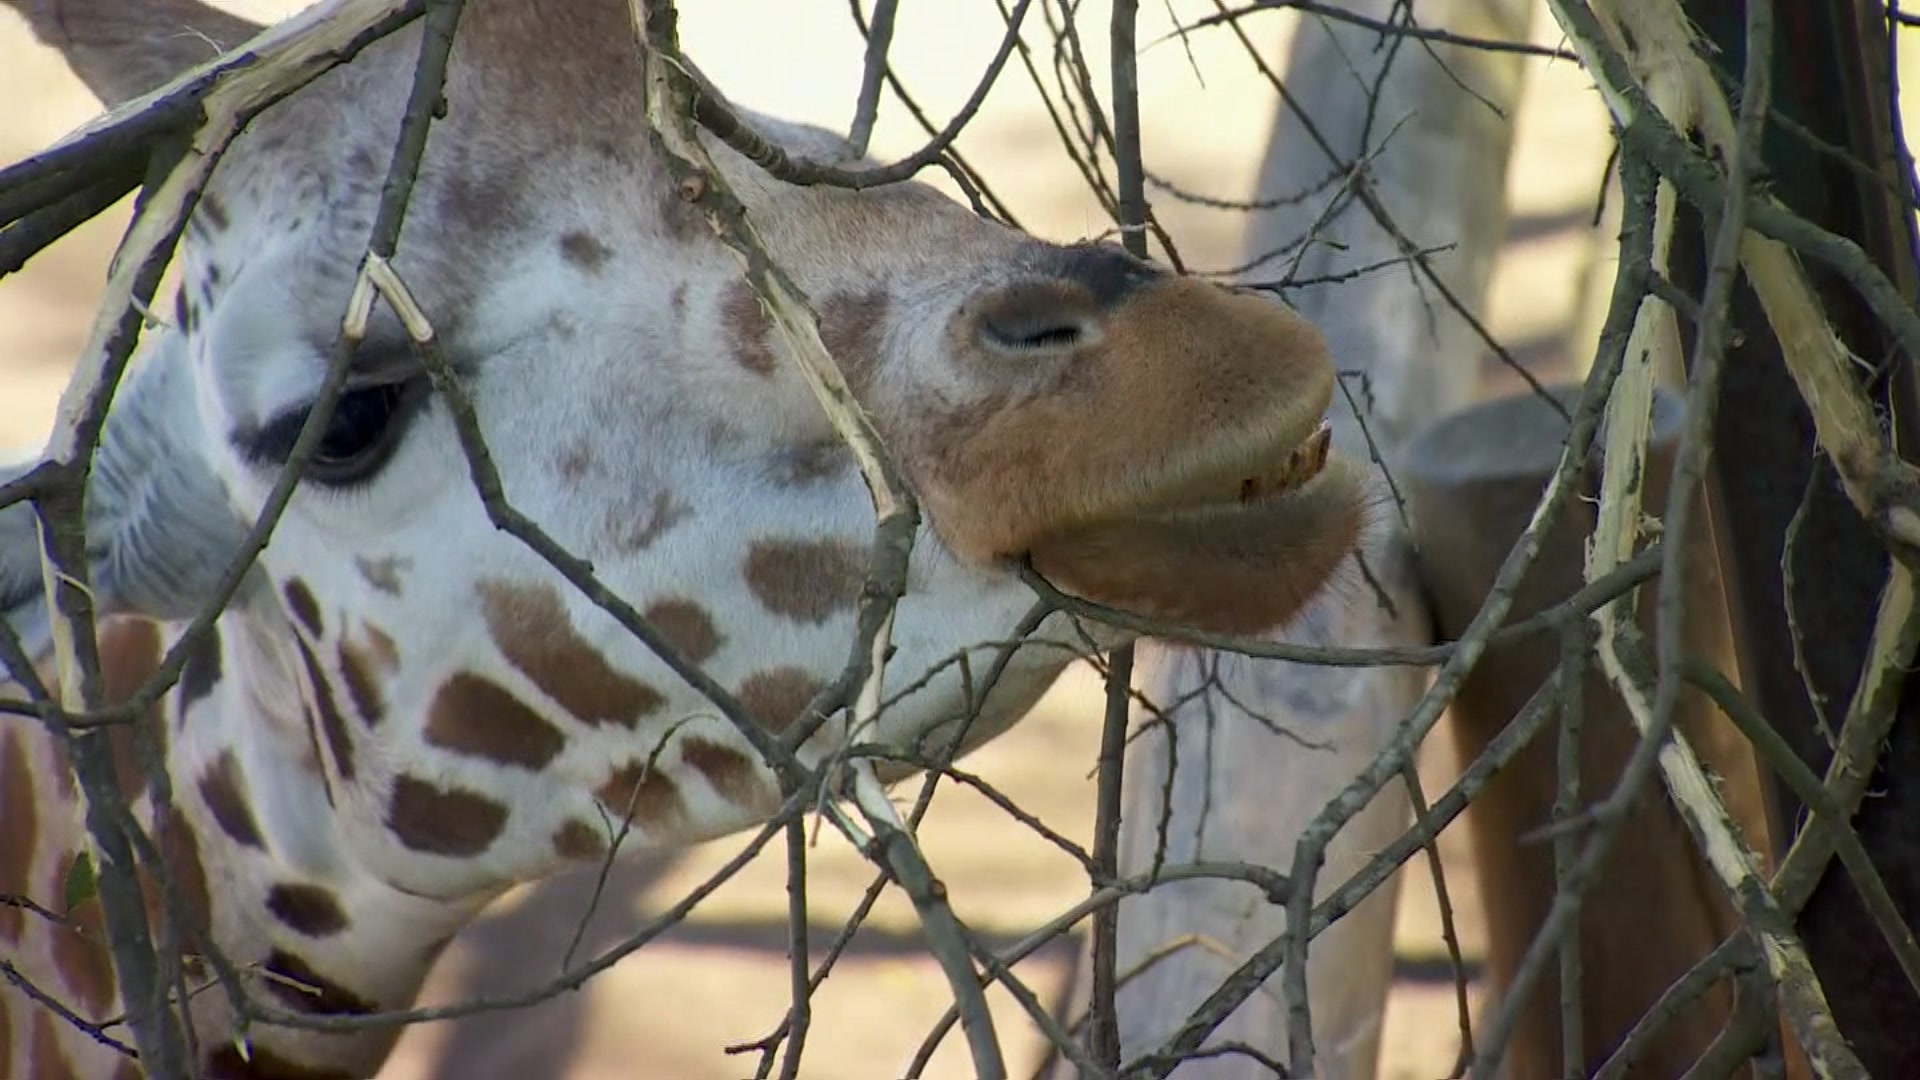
367	426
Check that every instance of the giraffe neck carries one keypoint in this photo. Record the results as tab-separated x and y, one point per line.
258	866
260	836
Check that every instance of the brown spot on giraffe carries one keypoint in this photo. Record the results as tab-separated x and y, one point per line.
382	574
579	840
530	625
686	626
202	669
303	989
776	696
79	949
210	210
575	461
584	251
44	1051
307	909
380	644
224	793
304	608
180	848
124	742
480	203
476	716
809	465
332	725
853	327
355	667
806	580
443	821
630	529
732	773
130	652
747	325
6	1032
641	793
19	828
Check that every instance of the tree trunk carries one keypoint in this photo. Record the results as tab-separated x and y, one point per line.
1831	77
1239	789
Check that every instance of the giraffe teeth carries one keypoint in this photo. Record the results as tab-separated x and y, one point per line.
1303	464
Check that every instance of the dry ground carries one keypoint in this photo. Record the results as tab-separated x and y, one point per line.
722	977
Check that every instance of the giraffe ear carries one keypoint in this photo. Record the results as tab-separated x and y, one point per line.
124	48
160	530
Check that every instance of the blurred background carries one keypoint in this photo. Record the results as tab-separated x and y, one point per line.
721	979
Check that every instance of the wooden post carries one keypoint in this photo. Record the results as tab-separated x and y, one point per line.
1218	782
1473	480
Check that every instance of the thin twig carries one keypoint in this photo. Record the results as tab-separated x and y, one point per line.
1870	718
1631	574
59	1008
1574	645
1362	190
1733	953
1883	487
798	960
1290	950
1406	29
892	845
1103	1031
867	107
227	93
716	117
1853	854
1251	975
1463	1011
1274	886
965	175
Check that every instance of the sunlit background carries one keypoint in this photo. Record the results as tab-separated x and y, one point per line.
721	979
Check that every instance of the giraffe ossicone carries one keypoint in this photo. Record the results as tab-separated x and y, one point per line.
405	711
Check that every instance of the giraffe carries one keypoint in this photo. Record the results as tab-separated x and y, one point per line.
405	712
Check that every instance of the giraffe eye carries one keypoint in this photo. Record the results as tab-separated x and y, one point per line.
361	435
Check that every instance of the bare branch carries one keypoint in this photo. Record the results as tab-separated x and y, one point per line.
1386	29
879	39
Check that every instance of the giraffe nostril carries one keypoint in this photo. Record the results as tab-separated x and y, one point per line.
1033	335
1037	318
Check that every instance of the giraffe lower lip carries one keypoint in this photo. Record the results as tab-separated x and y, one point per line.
1223	566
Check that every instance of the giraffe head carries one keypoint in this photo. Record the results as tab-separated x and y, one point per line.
1148	441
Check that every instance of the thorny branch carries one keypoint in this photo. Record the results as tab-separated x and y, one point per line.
1103	1027
867	108
1290	951
1408	29
180	132
1575	643
172	140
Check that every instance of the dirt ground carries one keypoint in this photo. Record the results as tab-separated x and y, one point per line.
721	977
